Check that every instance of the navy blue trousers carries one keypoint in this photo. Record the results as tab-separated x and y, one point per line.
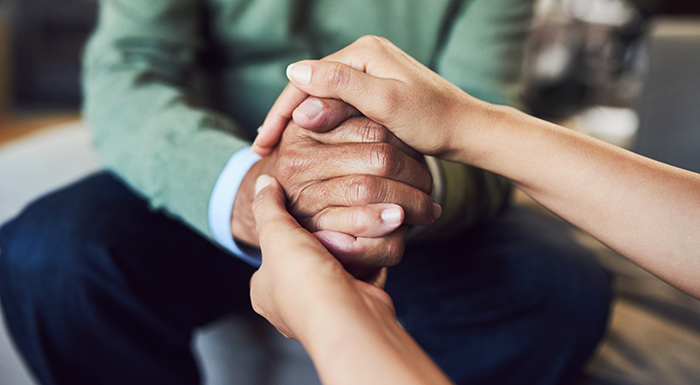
98	289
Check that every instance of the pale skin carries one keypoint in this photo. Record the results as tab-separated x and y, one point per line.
645	210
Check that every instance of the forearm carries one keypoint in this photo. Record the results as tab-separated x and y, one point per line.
364	344
643	209
498	32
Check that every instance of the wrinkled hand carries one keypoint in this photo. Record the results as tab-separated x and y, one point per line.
344	185
385	84
299	280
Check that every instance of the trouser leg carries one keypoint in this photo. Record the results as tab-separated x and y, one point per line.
512	302
98	289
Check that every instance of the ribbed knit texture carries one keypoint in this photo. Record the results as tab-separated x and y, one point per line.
155	71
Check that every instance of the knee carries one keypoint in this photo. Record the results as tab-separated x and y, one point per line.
35	254
49	248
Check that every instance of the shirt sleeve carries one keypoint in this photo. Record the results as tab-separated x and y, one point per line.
221	205
144	102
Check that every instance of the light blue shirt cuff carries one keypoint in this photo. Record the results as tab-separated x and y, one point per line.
221	204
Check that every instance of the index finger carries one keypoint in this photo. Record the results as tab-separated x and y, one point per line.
277	118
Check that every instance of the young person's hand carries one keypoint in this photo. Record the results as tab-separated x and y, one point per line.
378	80
299	277
643	209
347	326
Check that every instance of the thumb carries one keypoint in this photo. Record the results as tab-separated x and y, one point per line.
278	232
371	95
269	208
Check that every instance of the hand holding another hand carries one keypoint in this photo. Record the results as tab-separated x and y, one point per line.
347	326
385	84
299	278
355	187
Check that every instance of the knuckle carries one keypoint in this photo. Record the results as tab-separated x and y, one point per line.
372	41
303	205
290	166
383	159
335	76
363	189
315	223
372	131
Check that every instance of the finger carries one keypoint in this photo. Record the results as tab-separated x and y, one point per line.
373	96
269	206
321	115
364	130
375	220
278	231
377	159
357	190
270	132
363	254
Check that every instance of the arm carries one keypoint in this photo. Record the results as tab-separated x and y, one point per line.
480	50
347	326
641	208
145	107
344	180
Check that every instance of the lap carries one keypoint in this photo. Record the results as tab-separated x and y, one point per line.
501	297
123	286
514	301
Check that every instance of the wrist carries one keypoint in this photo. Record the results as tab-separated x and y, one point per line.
479	127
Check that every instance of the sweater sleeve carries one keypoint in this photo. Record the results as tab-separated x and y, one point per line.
482	53
143	101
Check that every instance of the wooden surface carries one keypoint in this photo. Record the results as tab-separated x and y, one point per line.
16	126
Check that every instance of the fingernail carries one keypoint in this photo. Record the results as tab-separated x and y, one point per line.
299	73
392	215
437	211
259	129
262	182
311	107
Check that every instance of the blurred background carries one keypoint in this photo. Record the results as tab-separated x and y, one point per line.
40	45
626	71
583	53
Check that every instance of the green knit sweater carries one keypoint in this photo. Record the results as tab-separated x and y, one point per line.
174	87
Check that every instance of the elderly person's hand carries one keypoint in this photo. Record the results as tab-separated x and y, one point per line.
357	180
383	83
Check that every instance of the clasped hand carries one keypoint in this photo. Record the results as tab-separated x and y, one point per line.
355	187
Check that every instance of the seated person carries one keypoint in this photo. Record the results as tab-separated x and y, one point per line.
645	210
104	281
